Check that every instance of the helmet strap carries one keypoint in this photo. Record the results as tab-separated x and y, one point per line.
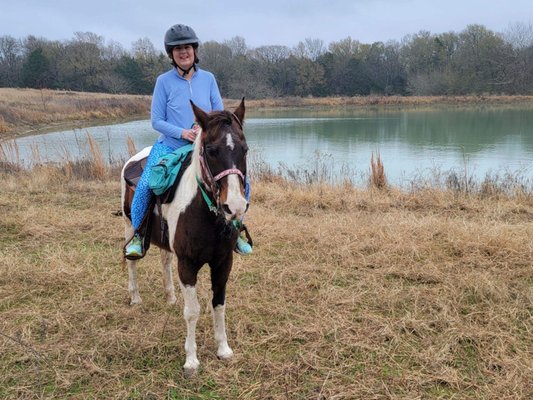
186	71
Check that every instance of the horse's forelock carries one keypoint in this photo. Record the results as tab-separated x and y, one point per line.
220	120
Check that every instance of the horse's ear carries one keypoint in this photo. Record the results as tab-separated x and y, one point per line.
239	111
201	116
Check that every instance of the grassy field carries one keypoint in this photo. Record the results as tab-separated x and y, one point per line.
350	294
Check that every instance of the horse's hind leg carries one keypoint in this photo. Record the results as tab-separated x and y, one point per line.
219	278
168	281
133	287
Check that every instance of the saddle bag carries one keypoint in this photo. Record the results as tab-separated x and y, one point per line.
164	173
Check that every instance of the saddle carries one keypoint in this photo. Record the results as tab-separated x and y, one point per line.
132	175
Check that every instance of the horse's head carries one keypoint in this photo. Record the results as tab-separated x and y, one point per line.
222	157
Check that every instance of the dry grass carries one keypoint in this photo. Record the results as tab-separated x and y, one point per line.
23	111
378	179
349	294
373	101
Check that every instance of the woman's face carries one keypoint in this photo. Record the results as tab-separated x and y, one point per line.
183	56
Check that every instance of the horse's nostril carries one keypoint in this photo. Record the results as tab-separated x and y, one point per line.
226	208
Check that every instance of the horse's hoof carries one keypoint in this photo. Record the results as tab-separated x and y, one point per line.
189	372
136	300
225	355
171	300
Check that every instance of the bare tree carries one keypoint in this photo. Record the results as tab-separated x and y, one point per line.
270	54
310	48
10	60
237	44
143	49
519	35
345	48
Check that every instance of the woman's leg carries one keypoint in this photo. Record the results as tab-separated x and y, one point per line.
143	193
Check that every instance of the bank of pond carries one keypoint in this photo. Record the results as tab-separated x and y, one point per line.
415	145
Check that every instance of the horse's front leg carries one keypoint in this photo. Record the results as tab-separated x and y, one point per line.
191	313
219	278
168	281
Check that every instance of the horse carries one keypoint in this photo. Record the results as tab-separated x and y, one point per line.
201	220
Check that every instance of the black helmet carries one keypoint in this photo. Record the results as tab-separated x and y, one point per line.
180	34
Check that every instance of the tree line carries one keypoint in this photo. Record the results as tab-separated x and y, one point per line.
473	61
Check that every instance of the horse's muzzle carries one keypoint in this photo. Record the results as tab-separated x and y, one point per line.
235	210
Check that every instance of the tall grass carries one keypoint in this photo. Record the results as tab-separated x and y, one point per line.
3	126
378	178
98	165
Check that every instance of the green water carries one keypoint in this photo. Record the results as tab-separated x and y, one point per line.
411	143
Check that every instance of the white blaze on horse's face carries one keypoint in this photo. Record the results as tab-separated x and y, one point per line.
229	141
235	205
235	202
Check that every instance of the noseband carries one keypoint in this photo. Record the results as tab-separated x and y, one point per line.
211	182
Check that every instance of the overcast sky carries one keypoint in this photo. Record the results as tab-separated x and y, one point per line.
267	22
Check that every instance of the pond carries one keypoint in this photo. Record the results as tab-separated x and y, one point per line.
411	143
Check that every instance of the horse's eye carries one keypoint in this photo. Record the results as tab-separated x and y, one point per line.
212	151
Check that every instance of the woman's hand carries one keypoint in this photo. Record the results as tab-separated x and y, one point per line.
190	134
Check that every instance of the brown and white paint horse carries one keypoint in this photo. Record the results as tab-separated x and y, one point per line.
197	234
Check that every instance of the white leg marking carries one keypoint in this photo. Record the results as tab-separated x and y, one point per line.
224	352
166	260
191	312
133	288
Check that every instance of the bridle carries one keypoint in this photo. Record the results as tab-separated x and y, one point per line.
211	182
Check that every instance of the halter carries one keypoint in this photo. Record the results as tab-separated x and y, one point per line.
211	182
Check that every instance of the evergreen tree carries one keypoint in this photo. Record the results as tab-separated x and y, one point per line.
36	70
132	73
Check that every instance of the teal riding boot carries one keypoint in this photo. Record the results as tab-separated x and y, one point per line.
243	247
135	247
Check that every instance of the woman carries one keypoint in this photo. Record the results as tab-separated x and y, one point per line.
173	118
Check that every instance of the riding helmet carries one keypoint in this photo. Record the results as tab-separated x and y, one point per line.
178	35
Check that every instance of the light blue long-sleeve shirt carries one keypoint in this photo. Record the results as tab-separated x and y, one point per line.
171	108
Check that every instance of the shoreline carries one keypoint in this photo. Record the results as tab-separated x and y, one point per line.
25	112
